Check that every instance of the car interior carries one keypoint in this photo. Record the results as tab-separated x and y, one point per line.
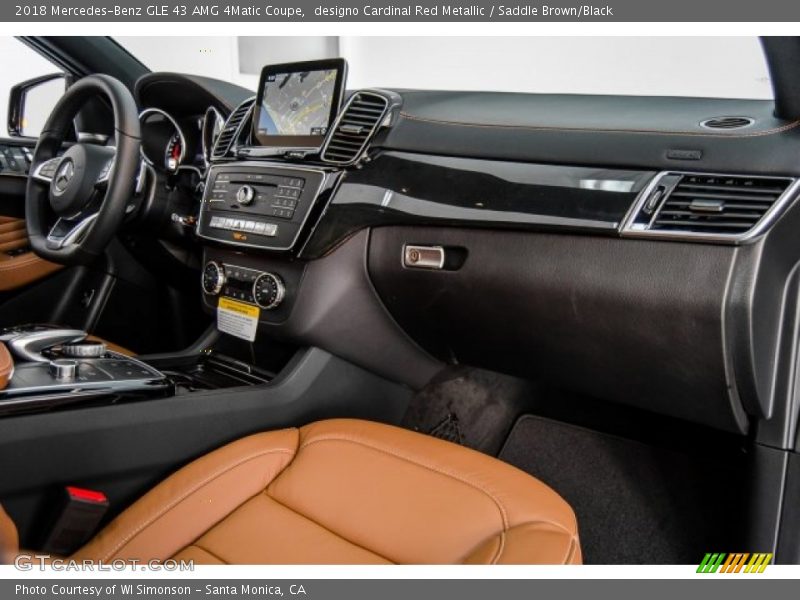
316	324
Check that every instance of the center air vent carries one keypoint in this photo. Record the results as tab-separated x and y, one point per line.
727	123
713	204
229	131
358	122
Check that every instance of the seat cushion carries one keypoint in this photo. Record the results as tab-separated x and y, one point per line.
344	491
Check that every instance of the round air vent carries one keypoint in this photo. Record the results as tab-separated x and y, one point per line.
727	122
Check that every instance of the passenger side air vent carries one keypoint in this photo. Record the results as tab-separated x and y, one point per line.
355	127
727	123
230	130
714	204
712	208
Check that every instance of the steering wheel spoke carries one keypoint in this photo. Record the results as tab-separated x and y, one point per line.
69	231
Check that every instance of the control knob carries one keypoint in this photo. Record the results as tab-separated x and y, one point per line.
84	349
268	291
63	368
245	195
213	278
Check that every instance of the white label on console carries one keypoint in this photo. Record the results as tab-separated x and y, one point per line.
237	318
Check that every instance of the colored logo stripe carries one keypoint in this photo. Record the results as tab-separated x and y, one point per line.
737	562
710	563
758	563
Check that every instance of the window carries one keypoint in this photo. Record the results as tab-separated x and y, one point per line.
723	67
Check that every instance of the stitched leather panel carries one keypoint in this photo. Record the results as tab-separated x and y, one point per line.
262	531
189	503
611	131
344	491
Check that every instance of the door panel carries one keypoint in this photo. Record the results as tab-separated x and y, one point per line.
18	265
13	236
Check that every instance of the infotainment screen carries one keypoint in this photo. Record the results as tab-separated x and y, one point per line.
298	102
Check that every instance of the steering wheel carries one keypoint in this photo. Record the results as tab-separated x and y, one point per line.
76	202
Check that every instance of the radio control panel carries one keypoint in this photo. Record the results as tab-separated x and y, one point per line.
257	205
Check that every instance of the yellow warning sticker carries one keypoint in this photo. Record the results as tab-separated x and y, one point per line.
238	319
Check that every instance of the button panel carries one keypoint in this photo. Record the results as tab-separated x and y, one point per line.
253	205
256	227
239	283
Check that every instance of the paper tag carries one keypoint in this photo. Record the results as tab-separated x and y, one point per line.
237	319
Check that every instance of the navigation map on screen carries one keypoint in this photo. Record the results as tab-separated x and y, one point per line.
297	103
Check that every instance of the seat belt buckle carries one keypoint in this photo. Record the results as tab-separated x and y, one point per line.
81	513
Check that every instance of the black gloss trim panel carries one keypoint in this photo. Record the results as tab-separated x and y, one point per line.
399	188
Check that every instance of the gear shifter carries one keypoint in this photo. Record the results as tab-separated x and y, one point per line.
29	346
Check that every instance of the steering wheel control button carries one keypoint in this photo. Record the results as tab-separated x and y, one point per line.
245	195
106	172
213	278
63	369
48	169
84	350
268	291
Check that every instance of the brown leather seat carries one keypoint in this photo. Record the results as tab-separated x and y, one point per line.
344	491
6	366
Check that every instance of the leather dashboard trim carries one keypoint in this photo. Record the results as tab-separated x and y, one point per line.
759	133
620	132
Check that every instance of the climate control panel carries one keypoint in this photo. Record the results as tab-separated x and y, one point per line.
256	205
264	289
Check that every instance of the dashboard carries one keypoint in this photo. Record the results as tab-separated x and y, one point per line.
624	247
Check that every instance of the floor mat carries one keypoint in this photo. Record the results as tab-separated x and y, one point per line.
635	504
471	407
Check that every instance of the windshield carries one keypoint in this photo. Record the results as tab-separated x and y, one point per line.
716	67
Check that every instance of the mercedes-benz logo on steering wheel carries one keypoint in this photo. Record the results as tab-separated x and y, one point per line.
64	175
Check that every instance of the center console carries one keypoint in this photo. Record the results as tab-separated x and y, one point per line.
55	366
